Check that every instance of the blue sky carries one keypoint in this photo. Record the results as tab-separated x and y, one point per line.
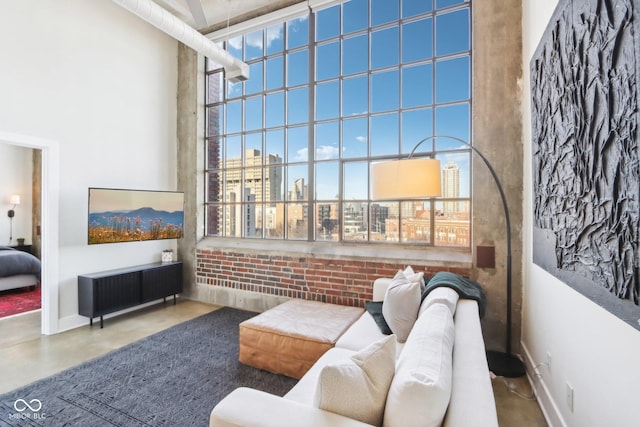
366	107
104	199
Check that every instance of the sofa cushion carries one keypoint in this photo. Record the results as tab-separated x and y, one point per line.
465	287
304	391
472	400
442	295
374	308
357	387
401	304
421	388
362	333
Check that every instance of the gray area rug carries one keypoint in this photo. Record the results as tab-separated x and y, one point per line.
172	378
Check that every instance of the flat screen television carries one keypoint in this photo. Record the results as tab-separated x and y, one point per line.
118	215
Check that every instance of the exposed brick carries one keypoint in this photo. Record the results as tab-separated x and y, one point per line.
345	282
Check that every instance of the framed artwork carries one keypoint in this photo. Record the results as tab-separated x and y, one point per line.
118	215
586	171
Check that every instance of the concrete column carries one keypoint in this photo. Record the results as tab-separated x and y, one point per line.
190	134
497	133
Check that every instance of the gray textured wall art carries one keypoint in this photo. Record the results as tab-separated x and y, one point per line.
586	183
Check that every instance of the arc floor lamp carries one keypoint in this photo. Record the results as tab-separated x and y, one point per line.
420	178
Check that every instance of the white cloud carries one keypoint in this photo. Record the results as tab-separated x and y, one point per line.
235	42
302	155
274	33
255	39
293	23
326	152
361	138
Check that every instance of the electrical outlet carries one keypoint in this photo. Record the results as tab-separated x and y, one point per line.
548	361
570	397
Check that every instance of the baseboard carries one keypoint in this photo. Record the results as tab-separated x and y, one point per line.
545	400
75	321
71	322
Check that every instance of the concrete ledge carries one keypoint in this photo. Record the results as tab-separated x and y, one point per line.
244	300
404	254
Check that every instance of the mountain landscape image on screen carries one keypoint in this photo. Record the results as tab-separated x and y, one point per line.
140	224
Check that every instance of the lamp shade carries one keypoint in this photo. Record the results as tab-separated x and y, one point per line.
15	199
405	179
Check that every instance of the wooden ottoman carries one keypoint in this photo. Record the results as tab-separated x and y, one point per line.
289	338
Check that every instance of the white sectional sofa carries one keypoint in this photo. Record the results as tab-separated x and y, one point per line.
439	376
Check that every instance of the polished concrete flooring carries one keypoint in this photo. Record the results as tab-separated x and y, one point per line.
27	356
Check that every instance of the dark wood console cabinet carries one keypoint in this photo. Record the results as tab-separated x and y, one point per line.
110	291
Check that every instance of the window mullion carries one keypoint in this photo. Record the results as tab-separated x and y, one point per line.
311	214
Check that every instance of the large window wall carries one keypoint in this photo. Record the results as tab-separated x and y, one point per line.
288	151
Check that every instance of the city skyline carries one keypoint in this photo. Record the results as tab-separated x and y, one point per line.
257	204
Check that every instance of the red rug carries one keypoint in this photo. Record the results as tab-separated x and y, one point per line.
16	301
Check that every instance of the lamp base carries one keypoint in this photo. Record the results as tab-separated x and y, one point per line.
505	364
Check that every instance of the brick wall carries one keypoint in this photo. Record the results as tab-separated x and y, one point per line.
345	282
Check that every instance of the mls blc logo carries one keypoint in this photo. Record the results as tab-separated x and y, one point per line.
27	409
21	405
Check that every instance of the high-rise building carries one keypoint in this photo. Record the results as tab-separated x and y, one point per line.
259	184
299	190
354	218
379	215
253	176
450	186
237	213
327	221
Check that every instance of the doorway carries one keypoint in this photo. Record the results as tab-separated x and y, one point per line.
48	224
20	190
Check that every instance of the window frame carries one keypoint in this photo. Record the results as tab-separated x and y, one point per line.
313	122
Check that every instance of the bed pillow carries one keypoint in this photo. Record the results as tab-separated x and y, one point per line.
357	387
421	388
401	304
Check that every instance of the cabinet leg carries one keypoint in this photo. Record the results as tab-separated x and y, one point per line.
174	299
101	322
91	321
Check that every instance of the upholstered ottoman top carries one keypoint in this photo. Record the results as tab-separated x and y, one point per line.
289	338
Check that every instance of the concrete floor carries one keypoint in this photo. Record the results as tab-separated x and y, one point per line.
28	356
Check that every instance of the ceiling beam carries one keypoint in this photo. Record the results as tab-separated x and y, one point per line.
197	11
253	13
175	7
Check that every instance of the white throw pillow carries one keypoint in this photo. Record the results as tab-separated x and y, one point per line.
357	387
421	388
401	304
414	277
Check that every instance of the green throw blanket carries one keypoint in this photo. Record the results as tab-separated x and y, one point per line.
466	288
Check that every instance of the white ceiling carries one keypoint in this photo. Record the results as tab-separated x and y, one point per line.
211	15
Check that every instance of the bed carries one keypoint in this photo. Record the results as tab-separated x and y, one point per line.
18	269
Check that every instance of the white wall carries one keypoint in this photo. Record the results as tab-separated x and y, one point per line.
15	178
102	83
590	348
